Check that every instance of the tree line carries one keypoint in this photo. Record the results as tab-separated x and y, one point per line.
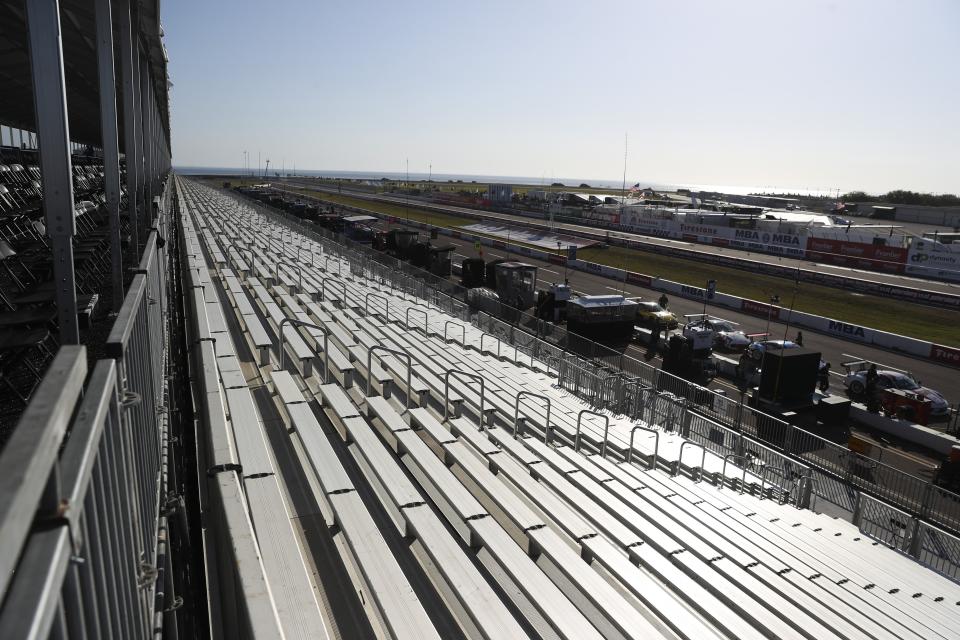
902	196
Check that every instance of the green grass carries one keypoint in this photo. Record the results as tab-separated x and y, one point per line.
918	321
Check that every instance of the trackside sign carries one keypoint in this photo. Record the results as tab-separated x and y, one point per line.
844	329
947	355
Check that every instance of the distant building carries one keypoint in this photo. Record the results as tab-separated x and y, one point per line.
502	193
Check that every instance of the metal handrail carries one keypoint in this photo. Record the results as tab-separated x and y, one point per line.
636	382
516	412
299	271
463	331
603	387
395	352
323	289
557	359
446	390
656	444
777	472
326	343
723	474
703	458
426	319
326	262
484	335
366	304
606	429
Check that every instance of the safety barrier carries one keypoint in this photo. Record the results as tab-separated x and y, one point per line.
82	533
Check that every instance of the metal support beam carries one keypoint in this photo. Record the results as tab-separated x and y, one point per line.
50	104
146	144
130	70
110	141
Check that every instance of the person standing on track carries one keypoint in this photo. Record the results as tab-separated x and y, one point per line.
664	301
871	385
823	377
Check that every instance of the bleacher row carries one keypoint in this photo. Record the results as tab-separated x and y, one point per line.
27	312
453	517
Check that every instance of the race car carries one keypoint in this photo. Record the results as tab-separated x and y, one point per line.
756	349
726	336
651	314
856	383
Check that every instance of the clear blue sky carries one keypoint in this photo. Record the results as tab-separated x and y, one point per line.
845	94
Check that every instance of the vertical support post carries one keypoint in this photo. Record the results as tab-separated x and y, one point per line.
50	104
129	70
147	144
110	141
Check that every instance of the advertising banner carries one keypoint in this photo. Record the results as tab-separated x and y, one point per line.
857	254
933	260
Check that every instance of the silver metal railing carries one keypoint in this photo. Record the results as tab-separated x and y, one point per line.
82	549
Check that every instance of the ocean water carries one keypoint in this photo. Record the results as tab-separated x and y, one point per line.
573	183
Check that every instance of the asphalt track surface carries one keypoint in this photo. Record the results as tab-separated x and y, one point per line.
518	220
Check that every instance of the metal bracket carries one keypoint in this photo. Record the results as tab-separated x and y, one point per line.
147	574
130	399
221	468
177	603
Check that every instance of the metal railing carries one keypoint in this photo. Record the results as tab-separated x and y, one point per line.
82	533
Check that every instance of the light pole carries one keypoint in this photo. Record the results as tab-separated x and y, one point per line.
560	256
774	299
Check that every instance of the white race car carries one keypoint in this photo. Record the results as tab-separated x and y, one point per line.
726	336
856	383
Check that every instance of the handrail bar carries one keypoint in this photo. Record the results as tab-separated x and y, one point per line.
703	458
326	343
606	430
366	304
723	473
763	480
463	331
395	352
656	444
446	390
426	319
497	338
516	412
323	289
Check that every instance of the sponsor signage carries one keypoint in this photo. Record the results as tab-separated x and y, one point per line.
846	330
553	258
947	355
932	260
857	254
639	278
693	292
760	309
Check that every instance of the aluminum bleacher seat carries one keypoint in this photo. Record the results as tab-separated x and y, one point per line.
524	537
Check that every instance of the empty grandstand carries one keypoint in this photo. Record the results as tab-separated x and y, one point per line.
260	429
